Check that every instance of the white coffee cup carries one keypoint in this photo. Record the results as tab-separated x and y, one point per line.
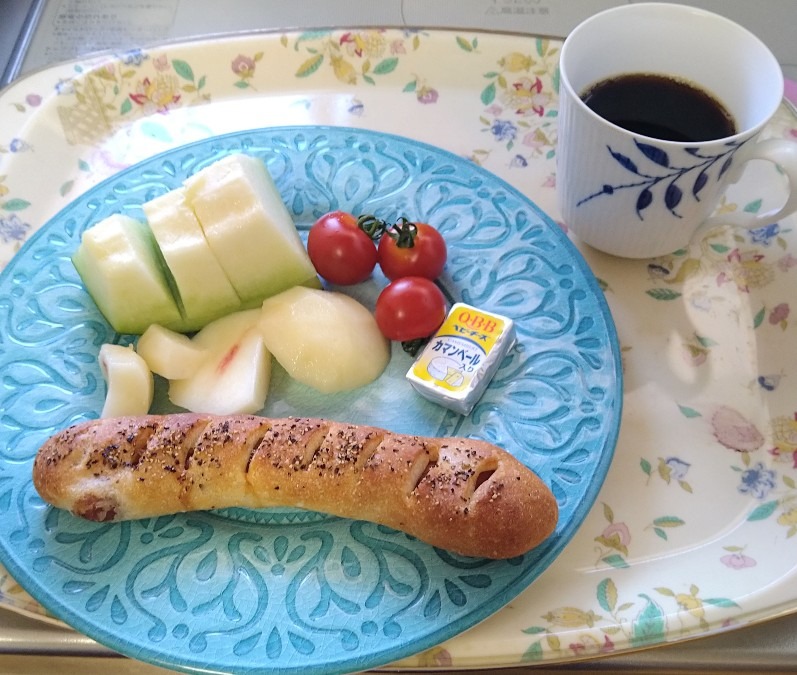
636	196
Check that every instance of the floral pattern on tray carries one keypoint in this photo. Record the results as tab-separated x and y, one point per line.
694	529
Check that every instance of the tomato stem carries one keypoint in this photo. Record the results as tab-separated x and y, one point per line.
412	347
403	233
372	226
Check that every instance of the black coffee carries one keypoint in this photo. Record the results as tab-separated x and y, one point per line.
660	107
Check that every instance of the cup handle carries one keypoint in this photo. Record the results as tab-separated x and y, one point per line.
784	154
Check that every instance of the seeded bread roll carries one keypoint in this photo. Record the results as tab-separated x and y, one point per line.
466	496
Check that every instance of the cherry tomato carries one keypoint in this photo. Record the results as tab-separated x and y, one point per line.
412	250
410	308
340	251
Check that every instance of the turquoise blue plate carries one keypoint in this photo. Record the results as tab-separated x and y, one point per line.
289	591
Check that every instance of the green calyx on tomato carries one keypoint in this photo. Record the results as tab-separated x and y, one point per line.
409	249
403	233
344	251
341	251
372	226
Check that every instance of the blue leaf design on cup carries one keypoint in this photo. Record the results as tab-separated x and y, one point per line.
672	197
700	183
624	161
654	154
644	200
673	174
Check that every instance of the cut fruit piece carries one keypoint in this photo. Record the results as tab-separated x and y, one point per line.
204	292
120	266
169	354
248	228
130	386
234	375
324	339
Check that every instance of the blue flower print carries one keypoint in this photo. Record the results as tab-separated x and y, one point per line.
64	87
134	57
503	130
678	467
18	145
13	229
764	235
757	481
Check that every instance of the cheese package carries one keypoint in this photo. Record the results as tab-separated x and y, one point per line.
457	364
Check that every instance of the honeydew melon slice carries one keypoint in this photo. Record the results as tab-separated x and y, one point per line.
121	267
248	228
203	291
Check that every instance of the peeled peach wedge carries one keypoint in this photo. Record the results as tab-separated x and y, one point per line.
323	339
235	371
169	354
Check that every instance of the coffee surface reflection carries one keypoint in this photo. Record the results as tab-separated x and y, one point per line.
661	107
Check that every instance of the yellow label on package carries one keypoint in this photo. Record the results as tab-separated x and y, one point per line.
459	361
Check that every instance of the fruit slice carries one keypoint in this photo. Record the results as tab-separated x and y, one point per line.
234	375
203	291
324	339
249	228
130	386
169	354
120	265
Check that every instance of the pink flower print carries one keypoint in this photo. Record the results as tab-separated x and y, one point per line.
737	561
734	431
589	645
616	536
427	95
747	270
694	354
787	262
779	314
160	93
368	43
161	63
109	70
534	140
243	66
436	658
397	47
784	436
527	95
33	100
